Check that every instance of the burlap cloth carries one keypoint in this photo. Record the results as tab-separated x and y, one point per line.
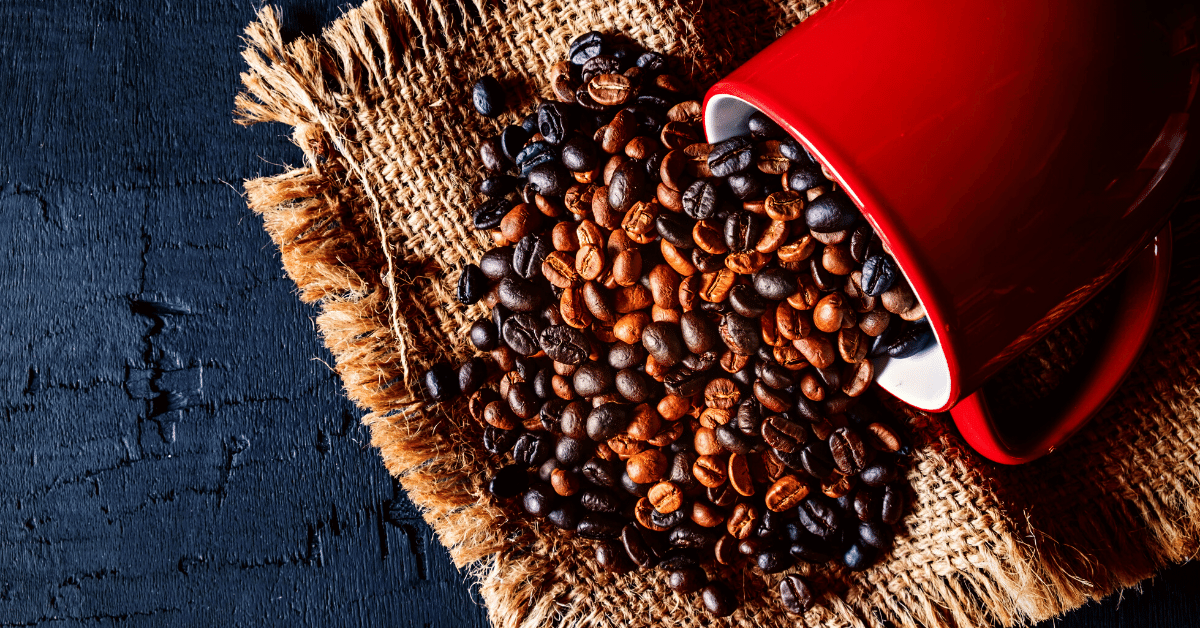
375	223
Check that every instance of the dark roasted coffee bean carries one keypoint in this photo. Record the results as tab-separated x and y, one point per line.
550	179
699	332
795	595
521	400
804	177
676	229
742	230
730	156
783	435
521	332
663	342
533	448
763	127
866	503
746	184
512	140
612	558
818	517
593	378
667	521
748	418
623	356
817	460
539	500
858	557
876	535
554	122
811	549
775	283
702	362
471	375
579	154
636	547
770	525
700	200
601	473
825	280
529	253
585	46
773	561
571	451
483	335
599	500
733	439
879	274
833	211
746	301
510	481
564	344
684	382
535	153
689	535
497	263
860	240
891	509
498	186
776	376
628	186
850	452
633	385
881	473
519	295
600	525
492	155
652	62
498	441
488	97
911	341
884	341
441	382
687	580
546	473
675	559
792	149
742	335
607	421
807	409
566	516
489	214
718	600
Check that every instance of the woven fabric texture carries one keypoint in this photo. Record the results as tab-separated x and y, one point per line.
374	223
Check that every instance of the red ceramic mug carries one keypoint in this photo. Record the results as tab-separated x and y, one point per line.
1014	156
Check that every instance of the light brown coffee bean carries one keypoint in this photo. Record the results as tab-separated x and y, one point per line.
670	84
816	192
817	349
697	165
669	198
914	313
882	437
706	515
562	387
709	236
797	249
679	262
625	446
829	312
773	237
563	237
807	294
769	159
565	482
713	417
746	262
791	323
726	550
664	286
858	377
756	206
644	423
875	322
673	407
498	415
560	82
739	475
733	362
785	206
610	89
715	286
559	269
686	111
677	135
628	328
787	492
812	387
853	344
640	147
704	441
672	171
837	260
899	298
859	300
630	298
710	471
573	308
666	497
627	267
519	222
838	486
770	329
671	433
789	357
741	521
721	393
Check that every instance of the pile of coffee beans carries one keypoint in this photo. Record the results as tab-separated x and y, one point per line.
680	336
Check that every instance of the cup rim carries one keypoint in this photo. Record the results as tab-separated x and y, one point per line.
872	209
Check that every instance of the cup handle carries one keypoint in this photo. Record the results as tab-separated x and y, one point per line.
1039	430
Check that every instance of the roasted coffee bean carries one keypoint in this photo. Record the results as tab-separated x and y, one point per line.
498	186
624	356
512	140
607	421
565	516
721	393
441	382
488	97
550	179
491	155
731	156
881	473
600	64
564	344
471	285
532	449
565	483
471	375
666	497
742	230
647	467
632	385
804	177
787	492
534	153
830	212
818	517
891	509
489	214
579	154
498	441
573	420
707	515
554	122
745	185
858	557
628	186
521	332
747	302
817	460
663	342
519	295
879	274
718	600
572	451
883	437
599	500
636	547
876	535
497	263
911	341
529	253
510	481
874	323
776	284
612	557
795	595
601	473
748	418
742	521
585	46
700	200
699	332
773	561
742	335
675	228
539	500
739	474
850	453
860	240
599	525
688	535
684	382
710	471
687	580
732	439
592	379
763	127
483	335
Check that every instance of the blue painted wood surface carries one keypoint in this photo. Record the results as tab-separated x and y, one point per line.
174	449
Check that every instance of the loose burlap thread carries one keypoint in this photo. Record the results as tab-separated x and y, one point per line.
374	224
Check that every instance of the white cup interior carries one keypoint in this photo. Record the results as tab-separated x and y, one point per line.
921	380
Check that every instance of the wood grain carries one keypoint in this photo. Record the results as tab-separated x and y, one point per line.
175	450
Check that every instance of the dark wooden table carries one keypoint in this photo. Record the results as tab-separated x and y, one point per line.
175	449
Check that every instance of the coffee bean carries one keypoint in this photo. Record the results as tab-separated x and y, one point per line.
786	493
441	382
565	516
684	382
600	64
599	525
663	342
776	284
636	547
732	439
830	212
521	332
858	557
818	517
739	474
761	126
606	422
489	214
471	375
675	228
700	200
498	441
472	283
742	230
687	580
773	561
592	379
747	302
666	497
564	344
718	600
519	295
876	535
698	331
891	509
627	187
817	460
688	535
632	385
488	97
795	595
539	500
879	274
911	341
599	500
710	471
585	46
742	335
776	376
491	155
731	156
742	520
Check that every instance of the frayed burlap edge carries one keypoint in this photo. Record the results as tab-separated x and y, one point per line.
1010	567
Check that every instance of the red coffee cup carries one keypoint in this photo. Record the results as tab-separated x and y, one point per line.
1015	157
